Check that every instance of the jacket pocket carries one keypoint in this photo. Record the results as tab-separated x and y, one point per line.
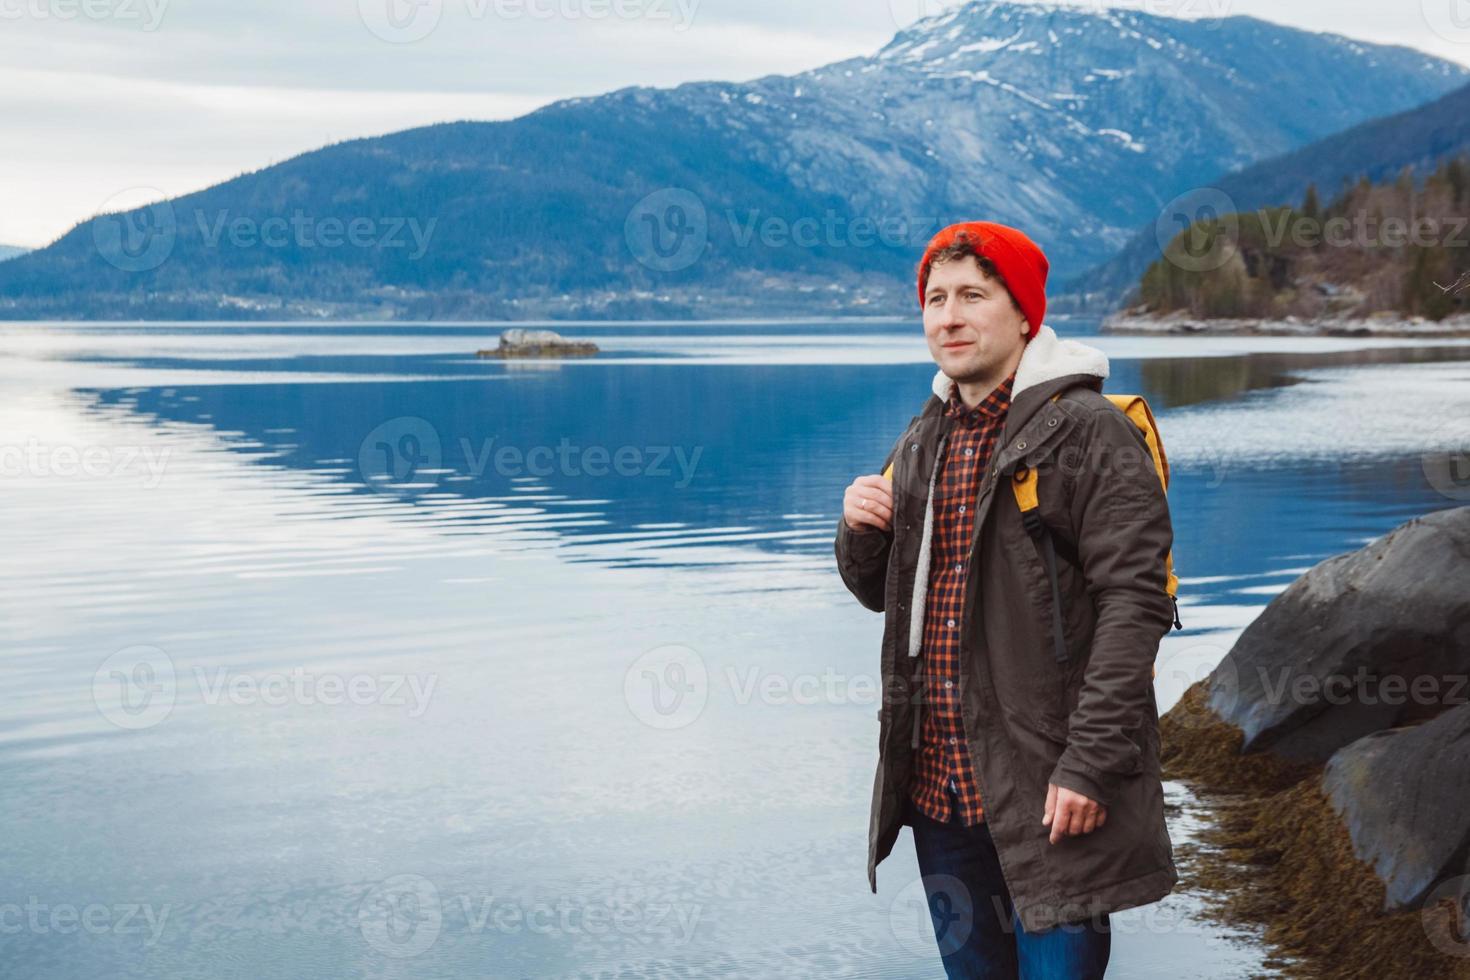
1038	736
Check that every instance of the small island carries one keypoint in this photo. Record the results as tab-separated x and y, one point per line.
519	342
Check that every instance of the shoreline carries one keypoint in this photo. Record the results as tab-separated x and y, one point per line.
1182	324
1277	856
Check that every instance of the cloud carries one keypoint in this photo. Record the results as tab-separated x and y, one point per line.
89	107
103	95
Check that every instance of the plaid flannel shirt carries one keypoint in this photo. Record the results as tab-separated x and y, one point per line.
942	758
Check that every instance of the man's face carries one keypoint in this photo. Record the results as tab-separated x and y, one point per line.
969	320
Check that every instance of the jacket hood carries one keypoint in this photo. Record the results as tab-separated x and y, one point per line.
1047	357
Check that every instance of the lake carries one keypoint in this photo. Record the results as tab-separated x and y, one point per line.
335	651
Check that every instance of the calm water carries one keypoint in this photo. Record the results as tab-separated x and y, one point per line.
337	652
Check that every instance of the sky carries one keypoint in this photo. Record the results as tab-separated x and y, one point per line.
114	103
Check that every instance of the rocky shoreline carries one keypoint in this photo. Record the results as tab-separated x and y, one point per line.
1334	743
1134	322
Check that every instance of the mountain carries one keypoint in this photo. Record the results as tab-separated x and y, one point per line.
11	251
810	193
1421	138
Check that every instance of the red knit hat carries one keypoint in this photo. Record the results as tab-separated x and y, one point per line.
1017	258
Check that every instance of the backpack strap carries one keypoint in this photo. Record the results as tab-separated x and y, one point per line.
1024	486
1028	501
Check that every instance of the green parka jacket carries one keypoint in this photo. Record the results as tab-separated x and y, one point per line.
1090	724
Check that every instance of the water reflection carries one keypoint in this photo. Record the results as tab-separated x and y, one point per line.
329	502
642	463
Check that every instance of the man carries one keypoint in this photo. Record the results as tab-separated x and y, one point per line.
1030	777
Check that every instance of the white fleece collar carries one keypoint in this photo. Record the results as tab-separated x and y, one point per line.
1045	358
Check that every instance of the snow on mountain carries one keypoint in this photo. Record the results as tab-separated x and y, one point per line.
1075	124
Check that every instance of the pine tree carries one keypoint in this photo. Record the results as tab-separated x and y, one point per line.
1405	188
1458	175
1422	295
1311	207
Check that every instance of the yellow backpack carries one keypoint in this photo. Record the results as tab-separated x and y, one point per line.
1024	486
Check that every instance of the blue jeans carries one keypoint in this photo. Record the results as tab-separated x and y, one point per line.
975	924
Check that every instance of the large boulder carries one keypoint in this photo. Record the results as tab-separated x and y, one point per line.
1365	641
1403	795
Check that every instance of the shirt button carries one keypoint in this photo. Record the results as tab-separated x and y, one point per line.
953	740
951	624
960	567
962	508
969	452
949	684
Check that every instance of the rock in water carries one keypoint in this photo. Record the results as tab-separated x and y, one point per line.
1362	642
1402	794
519	342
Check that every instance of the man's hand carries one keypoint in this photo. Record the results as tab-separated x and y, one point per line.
1070	814
868	504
